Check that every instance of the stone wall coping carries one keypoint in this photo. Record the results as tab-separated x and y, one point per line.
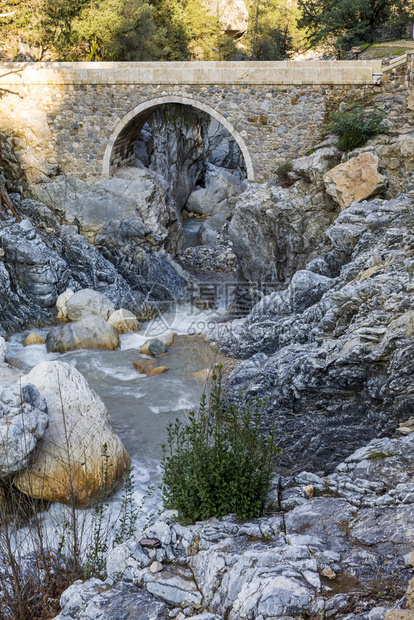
188	73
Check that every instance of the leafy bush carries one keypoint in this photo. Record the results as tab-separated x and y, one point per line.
219	462
354	126
283	170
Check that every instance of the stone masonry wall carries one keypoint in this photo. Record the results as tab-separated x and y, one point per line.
63	127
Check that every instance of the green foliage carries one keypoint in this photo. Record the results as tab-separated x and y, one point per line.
135	30
277	33
283	170
347	22
354	126
375	455
219	462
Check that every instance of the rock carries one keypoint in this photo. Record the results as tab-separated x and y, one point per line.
233	16
219	197
133	197
208	231
70	452
400	614
159	370
202	375
90	333
23	422
143	365
275	231
329	573
355	180
313	167
33	339
410	595
3	349
340	362
86	303
176	588
61	304
31	278
157	347
164	339
306	288
156	567
124	321
109	600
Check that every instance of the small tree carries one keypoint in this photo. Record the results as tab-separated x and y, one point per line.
219	462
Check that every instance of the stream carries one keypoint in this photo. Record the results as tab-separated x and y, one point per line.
140	407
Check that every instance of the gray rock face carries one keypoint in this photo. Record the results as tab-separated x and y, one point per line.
275	230
2	350
37	272
23	421
220	196
179	142
88	302
208	231
336	371
133	199
89	333
107	600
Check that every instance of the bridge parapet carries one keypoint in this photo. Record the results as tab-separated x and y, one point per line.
174	73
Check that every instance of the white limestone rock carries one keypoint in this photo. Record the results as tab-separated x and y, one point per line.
90	333
23	421
61	303
88	302
124	321
79	427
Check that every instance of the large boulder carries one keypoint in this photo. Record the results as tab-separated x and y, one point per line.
23	421
209	230
220	196
124	321
90	333
233	16
86	303
313	167
133	195
61	304
68	463
355	180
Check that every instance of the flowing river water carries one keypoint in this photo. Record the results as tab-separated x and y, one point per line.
140	407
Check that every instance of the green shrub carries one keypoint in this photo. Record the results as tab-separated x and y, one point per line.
219	462
354	126
283	170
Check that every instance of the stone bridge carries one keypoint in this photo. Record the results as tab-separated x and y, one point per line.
84	118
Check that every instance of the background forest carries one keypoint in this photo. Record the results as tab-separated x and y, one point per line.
194	29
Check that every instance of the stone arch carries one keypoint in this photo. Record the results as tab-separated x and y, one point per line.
120	147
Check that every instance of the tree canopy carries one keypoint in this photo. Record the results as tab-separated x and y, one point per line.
348	22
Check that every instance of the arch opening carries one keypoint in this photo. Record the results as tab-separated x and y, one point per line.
120	150
193	153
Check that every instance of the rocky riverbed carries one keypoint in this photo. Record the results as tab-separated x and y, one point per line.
324	261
